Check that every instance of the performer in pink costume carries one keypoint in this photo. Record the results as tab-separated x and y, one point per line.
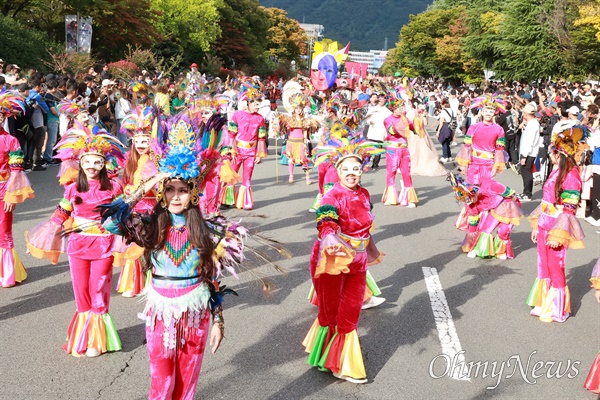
186	254
489	206
14	189
247	132
556	229
397	157
213	130
592	382
338	265
483	150
92	331
298	129
141	165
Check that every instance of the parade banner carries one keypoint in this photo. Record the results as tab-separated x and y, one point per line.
78	34
71	33
84	39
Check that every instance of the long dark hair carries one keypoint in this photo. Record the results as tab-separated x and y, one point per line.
199	237
82	181
565	165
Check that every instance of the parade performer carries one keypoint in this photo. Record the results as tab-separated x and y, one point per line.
298	129
483	151
211	125
14	189
339	262
592	383
556	229
185	254
488	206
423	155
247	134
141	164
92	331
397	157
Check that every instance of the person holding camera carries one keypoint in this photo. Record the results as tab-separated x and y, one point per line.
106	106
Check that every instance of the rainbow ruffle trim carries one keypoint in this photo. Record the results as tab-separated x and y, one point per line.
334	351
91	330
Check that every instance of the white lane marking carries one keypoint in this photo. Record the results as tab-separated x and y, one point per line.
445	325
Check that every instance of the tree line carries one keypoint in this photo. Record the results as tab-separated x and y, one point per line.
457	40
232	34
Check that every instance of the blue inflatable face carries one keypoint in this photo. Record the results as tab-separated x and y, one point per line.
323	71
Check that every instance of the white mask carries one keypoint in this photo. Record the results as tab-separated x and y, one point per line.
350	168
141	141
92	161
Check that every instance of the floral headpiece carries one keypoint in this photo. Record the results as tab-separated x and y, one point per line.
11	103
489	101
337	149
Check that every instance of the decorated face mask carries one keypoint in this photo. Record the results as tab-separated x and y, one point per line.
350	167
141	141
488	112
323	71
92	161
83	117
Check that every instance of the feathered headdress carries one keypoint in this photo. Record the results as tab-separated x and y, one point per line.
298	100
463	192
338	148
566	141
80	141
138	122
140	90
489	100
250	94
185	159
11	103
71	108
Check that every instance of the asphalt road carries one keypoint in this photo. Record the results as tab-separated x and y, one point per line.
262	356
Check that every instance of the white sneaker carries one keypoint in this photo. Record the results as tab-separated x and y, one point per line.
449	159
502	257
443	160
128	293
592	221
91	352
472	254
350	379
374	301
411	205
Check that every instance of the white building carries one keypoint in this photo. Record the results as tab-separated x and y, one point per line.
374	58
313	31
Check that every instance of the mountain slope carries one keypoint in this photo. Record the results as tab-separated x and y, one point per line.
365	23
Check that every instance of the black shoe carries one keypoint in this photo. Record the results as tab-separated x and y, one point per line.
27	166
39	168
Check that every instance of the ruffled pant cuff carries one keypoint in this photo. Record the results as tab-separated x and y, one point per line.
12	270
390	196
244	198
592	383
344	356
91	330
408	195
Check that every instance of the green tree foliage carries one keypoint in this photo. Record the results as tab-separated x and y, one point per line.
22	46
528	49
517	39
192	24
416	51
